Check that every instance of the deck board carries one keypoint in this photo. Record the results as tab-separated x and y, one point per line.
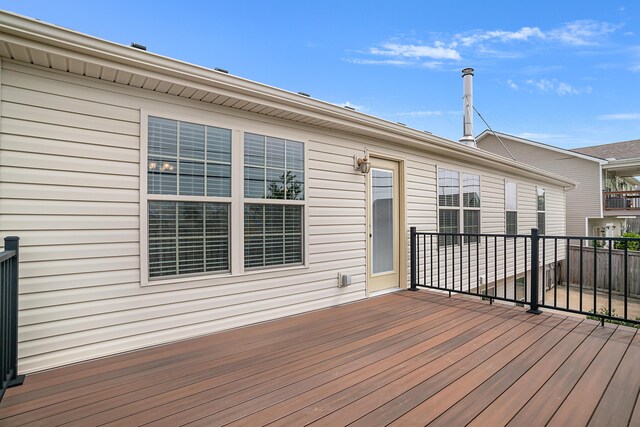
504	407
408	358
616	405
594	382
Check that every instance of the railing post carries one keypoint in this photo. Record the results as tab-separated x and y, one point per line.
535	266
12	243
414	261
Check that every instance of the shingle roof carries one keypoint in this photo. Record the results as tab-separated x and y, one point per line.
616	150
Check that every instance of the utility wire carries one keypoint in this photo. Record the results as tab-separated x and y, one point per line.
494	134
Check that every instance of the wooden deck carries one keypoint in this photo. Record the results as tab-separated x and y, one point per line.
409	358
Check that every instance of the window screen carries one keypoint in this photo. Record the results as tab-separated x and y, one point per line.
449	222
272	235
471	225
512	222
471	190
187	237
188	159
273	168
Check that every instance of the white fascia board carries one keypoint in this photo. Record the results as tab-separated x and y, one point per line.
47	37
613	164
514	138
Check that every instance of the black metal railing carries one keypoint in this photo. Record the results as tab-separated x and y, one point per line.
595	276
9	260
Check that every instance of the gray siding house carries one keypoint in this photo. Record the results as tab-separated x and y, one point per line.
607	198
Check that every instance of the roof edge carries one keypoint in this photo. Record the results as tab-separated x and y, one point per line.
542	145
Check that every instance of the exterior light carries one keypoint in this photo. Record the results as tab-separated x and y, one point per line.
361	164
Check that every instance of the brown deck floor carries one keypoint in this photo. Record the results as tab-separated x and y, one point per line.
408	358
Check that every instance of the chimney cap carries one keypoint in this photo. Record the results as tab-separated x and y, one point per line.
467	71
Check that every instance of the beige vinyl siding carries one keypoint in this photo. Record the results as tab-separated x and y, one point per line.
582	202
69	187
493	221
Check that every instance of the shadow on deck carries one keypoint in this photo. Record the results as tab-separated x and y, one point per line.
409	358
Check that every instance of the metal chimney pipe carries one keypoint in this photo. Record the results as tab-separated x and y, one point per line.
467	107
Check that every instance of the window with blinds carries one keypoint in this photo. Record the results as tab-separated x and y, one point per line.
541	202
188	238
187	160
471	205
452	209
273	235
511	207
273	169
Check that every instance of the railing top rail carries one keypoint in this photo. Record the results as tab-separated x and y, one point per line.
613	239
5	255
622	192
433	233
609	239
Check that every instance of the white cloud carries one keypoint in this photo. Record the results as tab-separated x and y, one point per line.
560	88
523	34
378	61
581	33
432	64
542	84
566	89
438	51
577	33
495	43
620	116
512	85
635	68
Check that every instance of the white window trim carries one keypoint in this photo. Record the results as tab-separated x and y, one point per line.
461	207
236	202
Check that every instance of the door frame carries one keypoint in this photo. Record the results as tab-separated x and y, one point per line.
403	242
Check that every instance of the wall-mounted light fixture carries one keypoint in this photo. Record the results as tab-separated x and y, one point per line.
362	164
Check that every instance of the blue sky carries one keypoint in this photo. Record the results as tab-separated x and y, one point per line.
563	73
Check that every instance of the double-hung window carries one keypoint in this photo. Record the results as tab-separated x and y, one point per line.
511	207
471	206
273	201
452	207
449	204
189	190
541	203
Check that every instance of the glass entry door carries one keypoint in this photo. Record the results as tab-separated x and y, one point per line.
383	219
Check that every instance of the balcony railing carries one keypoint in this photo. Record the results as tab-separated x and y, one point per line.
621	200
595	276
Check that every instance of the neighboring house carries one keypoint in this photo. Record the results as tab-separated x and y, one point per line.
157	200
620	187
607	199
